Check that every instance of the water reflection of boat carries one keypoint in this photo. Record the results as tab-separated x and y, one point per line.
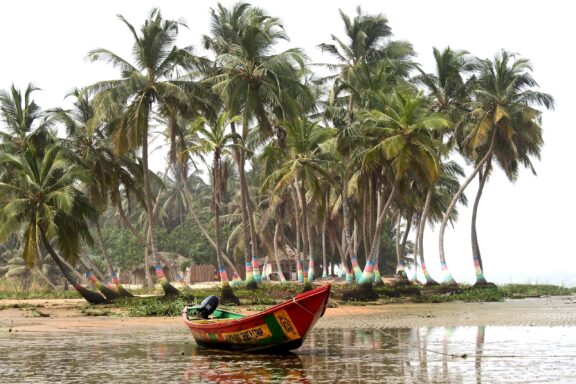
208	367
278	329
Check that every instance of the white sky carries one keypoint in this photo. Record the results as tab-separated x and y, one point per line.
524	228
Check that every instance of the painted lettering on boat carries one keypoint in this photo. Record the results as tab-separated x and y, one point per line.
287	325
248	335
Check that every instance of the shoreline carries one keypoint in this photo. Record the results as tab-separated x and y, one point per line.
59	315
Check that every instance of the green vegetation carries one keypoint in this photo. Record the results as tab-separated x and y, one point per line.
267	295
347	166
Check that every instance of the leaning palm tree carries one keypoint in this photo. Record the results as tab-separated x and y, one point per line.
147	84
88	146
506	127
43	200
450	92
215	139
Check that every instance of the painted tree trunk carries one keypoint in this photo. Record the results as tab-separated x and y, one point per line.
311	262
448	279
324	263
107	292
168	288
476	256
304	226
250	280
90	296
296	205
253	237
420	240
276	250
400	267
367	277
347	229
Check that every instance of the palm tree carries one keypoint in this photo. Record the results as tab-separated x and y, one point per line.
86	143
403	145
368	45
215	139
451	93
304	169
43	200
148	83
506	127
252	82
26	123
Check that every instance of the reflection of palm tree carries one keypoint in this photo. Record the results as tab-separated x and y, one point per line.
479	350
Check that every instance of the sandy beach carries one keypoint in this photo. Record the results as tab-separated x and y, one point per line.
49	315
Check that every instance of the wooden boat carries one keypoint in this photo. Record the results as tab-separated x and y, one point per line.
278	329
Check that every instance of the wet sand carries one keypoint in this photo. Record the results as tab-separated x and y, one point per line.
66	314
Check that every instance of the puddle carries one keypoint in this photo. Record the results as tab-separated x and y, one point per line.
168	355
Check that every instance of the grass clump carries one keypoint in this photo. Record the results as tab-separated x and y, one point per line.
535	290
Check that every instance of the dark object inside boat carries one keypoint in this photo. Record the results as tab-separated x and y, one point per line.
208	306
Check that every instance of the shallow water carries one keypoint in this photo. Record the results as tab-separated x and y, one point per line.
168	355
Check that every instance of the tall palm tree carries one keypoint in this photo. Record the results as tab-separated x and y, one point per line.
506	127
403	144
304	169
215	139
150	82
252	81
450	91
368	44
43	200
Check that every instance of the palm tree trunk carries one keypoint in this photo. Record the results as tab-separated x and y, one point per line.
276	251
90	296
420	239
44	277
304	225
203	230
311	262
216	200
476	256
250	280
324	227
89	266
400	272
166	286
448	279
296	204
347	229
227	295
103	249
140	239
253	236
368	269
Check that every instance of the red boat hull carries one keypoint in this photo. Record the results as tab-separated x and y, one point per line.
278	329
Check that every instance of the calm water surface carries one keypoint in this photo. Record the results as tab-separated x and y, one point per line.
168	355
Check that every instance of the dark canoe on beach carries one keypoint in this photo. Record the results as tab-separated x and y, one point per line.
278	329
